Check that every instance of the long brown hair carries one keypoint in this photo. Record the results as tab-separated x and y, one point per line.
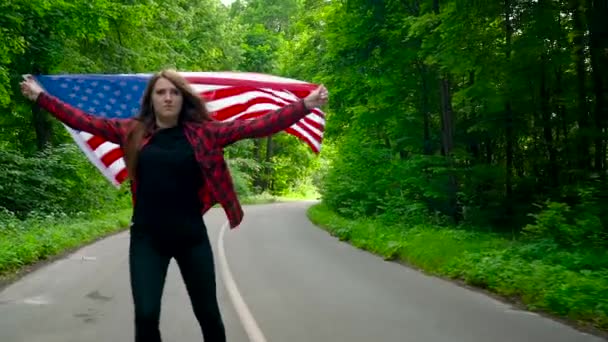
193	110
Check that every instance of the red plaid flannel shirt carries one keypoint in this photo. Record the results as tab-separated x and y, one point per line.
207	139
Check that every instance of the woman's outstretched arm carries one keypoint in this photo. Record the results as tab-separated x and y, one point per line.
274	122
109	129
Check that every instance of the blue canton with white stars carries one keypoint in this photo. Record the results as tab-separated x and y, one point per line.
109	96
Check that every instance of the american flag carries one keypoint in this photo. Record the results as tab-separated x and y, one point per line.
229	96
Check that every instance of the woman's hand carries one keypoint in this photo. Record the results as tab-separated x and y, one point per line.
30	88
317	98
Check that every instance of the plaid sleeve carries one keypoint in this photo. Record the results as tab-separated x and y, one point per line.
108	129
268	124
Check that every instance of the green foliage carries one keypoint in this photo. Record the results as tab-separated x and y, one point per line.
113	36
52	201
569	227
241	170
544	276
293	166
24	242
470	113
365	179
56	180
287	165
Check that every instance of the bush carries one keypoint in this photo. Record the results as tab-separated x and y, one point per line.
57	180
241	170
52	201
365	179
569	226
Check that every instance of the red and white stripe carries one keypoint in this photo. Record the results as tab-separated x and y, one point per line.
229	96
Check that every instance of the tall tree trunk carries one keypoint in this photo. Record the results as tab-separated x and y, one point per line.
257	154
509	132
42	127
269	152
447	121
41	122
474	144
559	101
598	47
489	151
426	112
545	111
447	124
563	120
545	17
582	139
447	117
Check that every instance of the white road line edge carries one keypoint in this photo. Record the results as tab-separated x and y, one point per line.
249	324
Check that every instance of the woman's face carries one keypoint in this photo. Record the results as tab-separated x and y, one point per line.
167	102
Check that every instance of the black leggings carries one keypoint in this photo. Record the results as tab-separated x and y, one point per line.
148	269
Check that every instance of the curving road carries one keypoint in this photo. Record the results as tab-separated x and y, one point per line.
280	280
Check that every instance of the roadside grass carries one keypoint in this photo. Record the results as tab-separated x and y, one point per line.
25	242
569	284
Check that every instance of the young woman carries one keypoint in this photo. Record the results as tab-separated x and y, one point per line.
173	153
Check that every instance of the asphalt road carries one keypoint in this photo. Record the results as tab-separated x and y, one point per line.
280	280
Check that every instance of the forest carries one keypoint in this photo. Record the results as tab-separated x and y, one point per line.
465	138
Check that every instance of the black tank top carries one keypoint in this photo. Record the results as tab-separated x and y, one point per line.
168	179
